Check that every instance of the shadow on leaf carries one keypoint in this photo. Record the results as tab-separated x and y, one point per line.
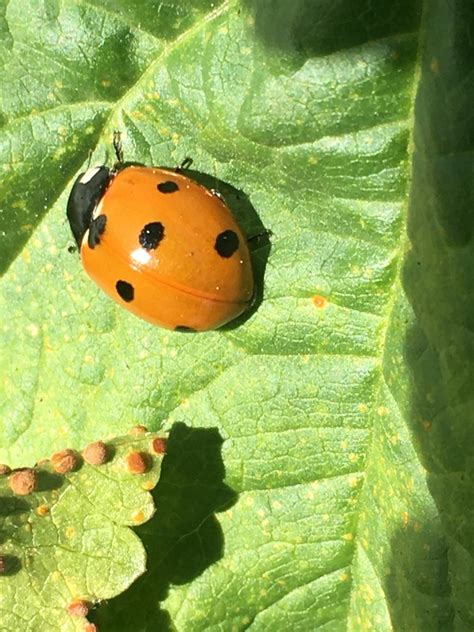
432	568
11	505
48	481
308	28
10	565
417	589
184	537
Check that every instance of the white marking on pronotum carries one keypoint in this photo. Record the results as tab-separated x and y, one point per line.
85	239
98	209
89	174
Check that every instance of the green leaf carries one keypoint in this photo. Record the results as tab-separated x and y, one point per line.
69	540
319	474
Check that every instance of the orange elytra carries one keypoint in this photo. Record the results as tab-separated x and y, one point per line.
162	245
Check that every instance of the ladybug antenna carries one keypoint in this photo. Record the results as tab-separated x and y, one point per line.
117	142
89	159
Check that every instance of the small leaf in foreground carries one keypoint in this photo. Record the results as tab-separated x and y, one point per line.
66	542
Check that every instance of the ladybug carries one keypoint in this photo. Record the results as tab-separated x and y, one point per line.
161	244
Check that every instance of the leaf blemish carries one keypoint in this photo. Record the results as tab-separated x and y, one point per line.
319	301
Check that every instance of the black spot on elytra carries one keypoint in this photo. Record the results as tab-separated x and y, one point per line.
226	243
167	187
96	228
151	235
125	291
183	328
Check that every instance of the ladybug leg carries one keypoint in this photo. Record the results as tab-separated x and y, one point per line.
218	195
256	238
187	162
96	229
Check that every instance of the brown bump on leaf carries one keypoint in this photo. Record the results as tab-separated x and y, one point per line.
3	564
96	453
138	462
23	482
65	461
159	445
42	510
78	608
138	430
4	469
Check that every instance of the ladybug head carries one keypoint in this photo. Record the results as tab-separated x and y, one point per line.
86	193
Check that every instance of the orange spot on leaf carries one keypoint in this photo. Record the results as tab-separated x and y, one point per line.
319	301
139	517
